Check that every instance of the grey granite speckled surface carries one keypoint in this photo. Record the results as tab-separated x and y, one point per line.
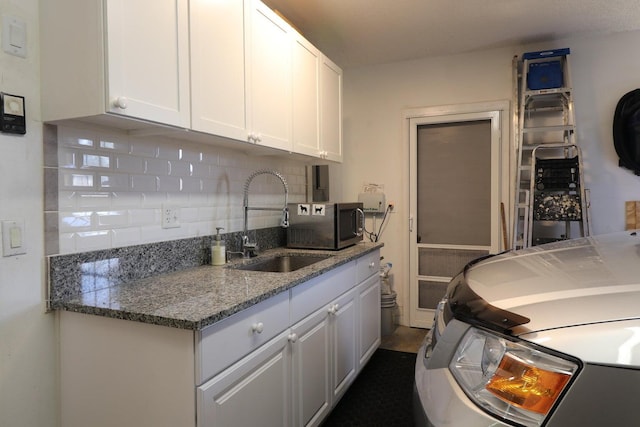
196	297
74	274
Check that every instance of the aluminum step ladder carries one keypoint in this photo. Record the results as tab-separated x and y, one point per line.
550	201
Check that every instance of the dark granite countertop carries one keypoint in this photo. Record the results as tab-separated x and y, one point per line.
200	296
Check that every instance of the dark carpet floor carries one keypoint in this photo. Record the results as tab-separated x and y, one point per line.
381	395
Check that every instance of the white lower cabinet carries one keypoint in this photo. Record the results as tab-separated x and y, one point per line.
285	361
253	392
311	365
307	368
344	343
369	318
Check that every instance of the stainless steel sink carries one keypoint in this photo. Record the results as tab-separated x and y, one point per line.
283	263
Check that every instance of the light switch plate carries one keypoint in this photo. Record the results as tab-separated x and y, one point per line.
13	238
14	36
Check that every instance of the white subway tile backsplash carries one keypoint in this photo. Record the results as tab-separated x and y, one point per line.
75	180
144	148
112	219
156	167
73	221
144	183
191	185
95	161
114	181
169	150
188	215
140	217
125	237
179	168
200	170
152	234
67	200
202	228
198	200
67	158
153	199
124	199
130	164
114	143
67	243
207	213
178	199
93	200
111	188
209	156
73	137
190	153
92	240
169	183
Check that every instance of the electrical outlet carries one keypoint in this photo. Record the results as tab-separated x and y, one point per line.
170	216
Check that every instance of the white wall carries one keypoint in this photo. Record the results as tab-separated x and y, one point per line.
27	335
603	69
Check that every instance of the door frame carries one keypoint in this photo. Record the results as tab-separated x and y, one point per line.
498	113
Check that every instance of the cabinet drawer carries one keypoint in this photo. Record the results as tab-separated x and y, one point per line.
368	265
310	296
222	343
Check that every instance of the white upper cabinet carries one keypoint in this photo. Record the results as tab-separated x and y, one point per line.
217	68
126	57
331	110
241	72
317	103
306	97
268	76
231	68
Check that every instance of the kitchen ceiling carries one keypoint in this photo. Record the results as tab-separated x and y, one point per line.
365	32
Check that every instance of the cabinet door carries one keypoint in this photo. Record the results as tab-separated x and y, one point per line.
148	60
306	97
344	342
331	110
217	68
311	369
369	318
268	77
255	391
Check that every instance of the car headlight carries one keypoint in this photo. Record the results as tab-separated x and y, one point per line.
510	379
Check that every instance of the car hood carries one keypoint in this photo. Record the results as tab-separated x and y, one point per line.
569	283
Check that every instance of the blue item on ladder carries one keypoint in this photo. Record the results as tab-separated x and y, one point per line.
542	54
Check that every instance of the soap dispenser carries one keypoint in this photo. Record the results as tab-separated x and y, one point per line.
218	250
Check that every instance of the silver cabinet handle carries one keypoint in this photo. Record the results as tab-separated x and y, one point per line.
257	328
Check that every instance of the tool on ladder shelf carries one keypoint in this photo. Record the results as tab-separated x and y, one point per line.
550	201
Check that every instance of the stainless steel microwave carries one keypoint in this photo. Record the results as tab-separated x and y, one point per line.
330	226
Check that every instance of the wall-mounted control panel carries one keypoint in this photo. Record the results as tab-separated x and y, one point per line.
373	202
12	114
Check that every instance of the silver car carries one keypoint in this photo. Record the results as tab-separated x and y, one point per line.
545	336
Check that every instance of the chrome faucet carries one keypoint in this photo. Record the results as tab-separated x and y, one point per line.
249	248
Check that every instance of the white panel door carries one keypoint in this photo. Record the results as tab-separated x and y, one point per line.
148	60
455	169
